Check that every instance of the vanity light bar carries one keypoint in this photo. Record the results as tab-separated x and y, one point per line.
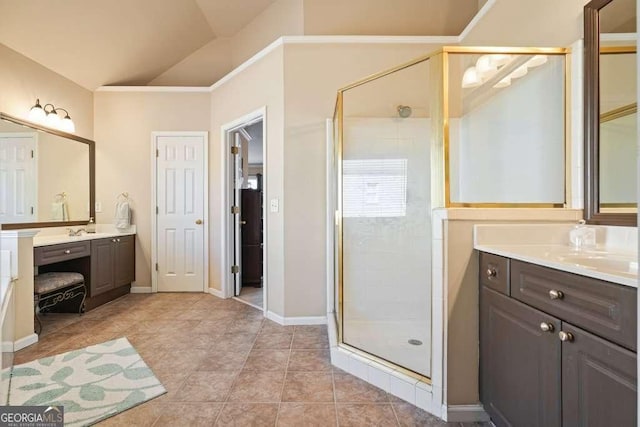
488	65
50	118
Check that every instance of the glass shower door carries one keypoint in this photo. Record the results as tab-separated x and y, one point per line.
386	225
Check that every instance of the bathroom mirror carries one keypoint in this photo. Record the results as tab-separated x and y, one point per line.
610	125
46	176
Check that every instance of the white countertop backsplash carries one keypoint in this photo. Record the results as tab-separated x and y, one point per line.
614	258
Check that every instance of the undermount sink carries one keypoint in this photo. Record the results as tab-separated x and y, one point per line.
602	261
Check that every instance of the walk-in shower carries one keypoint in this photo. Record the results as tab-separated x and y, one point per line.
408	140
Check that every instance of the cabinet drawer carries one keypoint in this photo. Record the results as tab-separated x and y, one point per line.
604	308
494	272
50	254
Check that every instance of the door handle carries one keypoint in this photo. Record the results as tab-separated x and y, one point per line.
198	221
243	222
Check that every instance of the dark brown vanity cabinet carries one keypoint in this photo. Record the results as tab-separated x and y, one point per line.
112	263
555	347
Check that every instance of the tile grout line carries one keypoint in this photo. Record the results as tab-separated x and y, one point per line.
284	380
226	401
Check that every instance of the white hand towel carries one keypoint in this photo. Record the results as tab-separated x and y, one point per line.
123	215
59	211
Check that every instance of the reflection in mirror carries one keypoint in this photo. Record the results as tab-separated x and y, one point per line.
43	177
610	105
507	129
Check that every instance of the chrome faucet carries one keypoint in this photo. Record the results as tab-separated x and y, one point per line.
77	232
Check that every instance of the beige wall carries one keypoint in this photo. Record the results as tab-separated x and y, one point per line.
203	67
529	23
260	85
282	18
123	125
23	80
462	290
313	73
387	18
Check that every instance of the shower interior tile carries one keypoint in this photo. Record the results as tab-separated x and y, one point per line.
403	386
359	366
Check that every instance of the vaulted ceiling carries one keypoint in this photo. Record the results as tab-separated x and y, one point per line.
131	42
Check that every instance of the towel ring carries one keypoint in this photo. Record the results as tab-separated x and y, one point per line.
124	195
61	197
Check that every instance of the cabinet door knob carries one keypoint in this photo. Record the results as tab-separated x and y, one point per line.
546	327
553	294
565	336
117	240
198	221
113	240
68	251
491	272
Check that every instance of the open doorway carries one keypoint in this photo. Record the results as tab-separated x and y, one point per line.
246	225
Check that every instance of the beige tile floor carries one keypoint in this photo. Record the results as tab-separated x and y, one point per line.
223	364
252	295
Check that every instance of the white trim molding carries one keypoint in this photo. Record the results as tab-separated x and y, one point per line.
141	290
289	321
155	89
25	342
217	293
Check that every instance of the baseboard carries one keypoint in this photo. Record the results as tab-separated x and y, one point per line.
465	413
7	346
216	293
25	342
303	320
141	290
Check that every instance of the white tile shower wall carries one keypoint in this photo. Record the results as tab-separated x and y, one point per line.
382	232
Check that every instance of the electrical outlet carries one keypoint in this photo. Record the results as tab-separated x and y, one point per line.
274	205
98	207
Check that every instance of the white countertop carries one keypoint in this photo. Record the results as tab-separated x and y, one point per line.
619	267
54	237
614	258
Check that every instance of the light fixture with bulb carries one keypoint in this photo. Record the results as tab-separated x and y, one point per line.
488	65
49	117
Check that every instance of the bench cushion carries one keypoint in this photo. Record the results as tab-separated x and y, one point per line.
48	282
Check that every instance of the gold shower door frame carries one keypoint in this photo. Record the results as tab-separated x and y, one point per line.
439	160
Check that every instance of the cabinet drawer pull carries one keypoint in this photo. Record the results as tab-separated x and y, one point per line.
565	336
546	327
491	272
113	240
68	251
117	240
553	294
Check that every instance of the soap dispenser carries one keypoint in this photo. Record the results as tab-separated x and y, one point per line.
91	226
582	236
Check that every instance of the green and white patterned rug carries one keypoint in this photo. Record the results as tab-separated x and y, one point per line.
92	383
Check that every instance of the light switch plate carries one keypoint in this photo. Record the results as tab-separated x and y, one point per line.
274	205
98	207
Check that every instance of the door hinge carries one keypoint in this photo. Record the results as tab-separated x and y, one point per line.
31	210
235	209
32	154
157	210
157	153
235	269
156	266
235	150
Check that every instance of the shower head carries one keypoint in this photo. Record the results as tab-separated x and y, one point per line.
404	111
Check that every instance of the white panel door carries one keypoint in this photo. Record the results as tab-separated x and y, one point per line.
180	199
18	177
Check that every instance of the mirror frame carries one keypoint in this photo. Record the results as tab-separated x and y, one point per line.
92	175
592	214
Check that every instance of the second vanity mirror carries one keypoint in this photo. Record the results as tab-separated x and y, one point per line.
610	98
46	176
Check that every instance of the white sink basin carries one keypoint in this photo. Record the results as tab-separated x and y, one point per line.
613	263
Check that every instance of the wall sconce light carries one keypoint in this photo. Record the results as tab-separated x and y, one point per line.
51	118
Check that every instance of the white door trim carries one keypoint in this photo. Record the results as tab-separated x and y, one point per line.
154	203
227	238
